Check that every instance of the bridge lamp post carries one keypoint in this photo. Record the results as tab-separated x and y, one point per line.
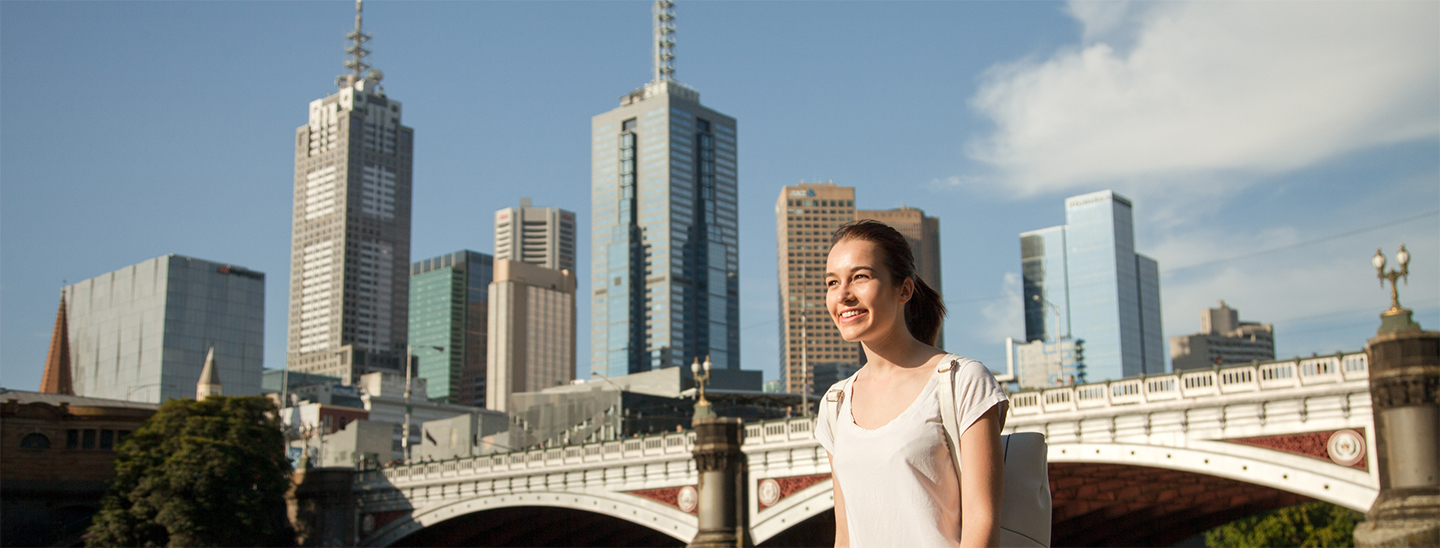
702	376
405	431
1397	317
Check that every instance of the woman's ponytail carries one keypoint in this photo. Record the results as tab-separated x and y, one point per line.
925	311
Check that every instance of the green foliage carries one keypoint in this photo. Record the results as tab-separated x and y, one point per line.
199	473
1310	525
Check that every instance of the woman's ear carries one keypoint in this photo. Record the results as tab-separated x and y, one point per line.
907	290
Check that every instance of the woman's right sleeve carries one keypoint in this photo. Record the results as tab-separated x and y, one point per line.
822	427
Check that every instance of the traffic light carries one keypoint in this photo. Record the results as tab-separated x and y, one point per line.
1078	354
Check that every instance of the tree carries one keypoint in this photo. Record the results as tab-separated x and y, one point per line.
1311	524
199	473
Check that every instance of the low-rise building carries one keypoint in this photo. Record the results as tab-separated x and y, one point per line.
661	400
1223	339
58	453
1040	364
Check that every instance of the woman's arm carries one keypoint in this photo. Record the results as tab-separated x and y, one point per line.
842	529
982	476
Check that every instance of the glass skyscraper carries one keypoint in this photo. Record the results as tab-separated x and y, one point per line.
449	305
664	286
141	333
1092	286
350	248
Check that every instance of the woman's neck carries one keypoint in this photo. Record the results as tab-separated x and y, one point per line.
899	351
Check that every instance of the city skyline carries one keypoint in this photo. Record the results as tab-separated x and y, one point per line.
1278	226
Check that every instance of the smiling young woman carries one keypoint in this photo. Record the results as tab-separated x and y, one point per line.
895	483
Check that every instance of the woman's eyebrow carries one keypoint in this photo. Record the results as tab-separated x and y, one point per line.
852	269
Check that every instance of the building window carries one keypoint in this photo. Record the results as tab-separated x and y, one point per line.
87	439
72	439
35	440
107	439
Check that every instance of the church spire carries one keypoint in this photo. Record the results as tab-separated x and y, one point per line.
56	379
209	384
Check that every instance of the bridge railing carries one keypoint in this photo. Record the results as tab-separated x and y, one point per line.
499	463
776	431
1255	377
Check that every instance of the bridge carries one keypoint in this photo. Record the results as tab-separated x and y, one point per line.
1139	461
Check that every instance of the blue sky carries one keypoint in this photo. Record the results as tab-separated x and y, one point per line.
1269	148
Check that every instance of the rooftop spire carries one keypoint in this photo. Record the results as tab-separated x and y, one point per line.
56	379
209	384
664	41
356	63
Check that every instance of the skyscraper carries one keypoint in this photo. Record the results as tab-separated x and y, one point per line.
923	233
532	330
811	349
141	333
1087	273
543	236
350	247
664	286
449	310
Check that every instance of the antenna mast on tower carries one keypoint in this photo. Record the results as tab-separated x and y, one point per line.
356	49
664	41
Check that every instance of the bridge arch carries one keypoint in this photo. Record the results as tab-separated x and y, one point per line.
1305	476
570	511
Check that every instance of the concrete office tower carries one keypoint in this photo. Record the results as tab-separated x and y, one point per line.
532	330
543	236
449	304
1087	273
350	247
141	333
923	233
811	349
665	270
1222	339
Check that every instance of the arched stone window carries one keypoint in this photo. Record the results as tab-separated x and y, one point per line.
35	440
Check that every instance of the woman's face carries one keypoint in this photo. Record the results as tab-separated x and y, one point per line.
862	299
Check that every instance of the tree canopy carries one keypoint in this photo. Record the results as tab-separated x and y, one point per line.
199	473
1310	525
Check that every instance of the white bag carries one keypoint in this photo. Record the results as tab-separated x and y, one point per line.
1025	499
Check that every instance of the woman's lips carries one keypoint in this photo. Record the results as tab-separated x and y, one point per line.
851	315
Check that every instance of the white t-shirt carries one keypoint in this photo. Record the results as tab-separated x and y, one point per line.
898	481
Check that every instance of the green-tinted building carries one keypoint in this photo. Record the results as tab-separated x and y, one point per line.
448	307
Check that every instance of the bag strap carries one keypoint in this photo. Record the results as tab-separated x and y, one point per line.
947	368
830	406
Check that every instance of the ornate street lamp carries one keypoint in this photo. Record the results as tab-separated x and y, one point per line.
702	376
1396	318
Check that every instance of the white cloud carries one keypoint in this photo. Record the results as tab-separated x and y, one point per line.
1005	317
1292	285
1210	94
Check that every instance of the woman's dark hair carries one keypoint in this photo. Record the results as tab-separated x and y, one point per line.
925	311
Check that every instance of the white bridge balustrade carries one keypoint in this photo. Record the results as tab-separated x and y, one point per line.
1259	424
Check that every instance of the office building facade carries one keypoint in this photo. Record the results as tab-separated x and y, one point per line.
665	270
1083	280
449	304
141	333
1223	339
806	215
532	330
350	247
543	236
